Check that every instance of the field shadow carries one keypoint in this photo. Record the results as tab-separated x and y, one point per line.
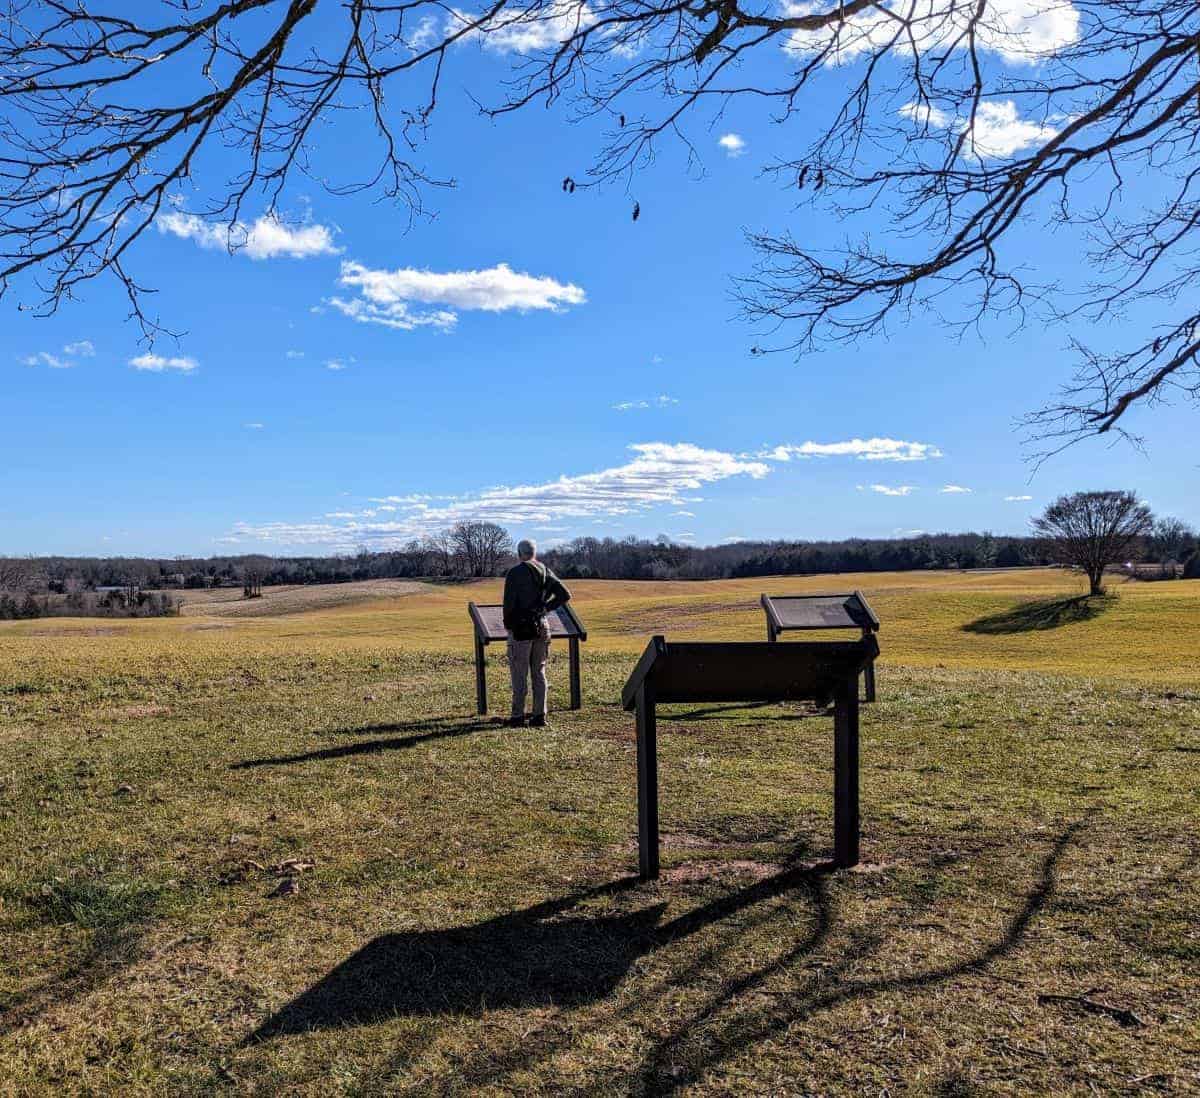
433	729
541	956
747	1009
1041	614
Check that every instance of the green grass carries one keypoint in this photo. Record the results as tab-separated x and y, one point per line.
470	923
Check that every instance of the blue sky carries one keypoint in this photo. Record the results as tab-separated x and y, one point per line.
356	377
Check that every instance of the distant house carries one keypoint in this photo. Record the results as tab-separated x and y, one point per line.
175	579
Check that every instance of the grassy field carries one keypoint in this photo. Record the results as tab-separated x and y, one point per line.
268	848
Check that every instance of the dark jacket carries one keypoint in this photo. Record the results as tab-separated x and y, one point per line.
531	590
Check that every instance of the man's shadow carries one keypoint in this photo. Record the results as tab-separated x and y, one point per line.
540	956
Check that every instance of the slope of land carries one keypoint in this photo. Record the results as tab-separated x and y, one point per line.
463	917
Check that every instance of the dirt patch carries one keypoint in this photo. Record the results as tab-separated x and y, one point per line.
228	602
671	619
741	868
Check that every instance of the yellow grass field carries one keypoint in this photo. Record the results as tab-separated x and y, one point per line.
268	848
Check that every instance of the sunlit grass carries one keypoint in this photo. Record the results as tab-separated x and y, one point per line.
468	923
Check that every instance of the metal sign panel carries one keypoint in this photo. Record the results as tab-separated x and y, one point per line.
820	612
489	622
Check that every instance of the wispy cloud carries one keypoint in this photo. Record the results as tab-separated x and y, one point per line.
254	426
733	144
954	490
393	297
893	490
659	473
1017	499
293	354
266	238
339	363
997	131
1016	30
157	364
45	358
864	449
660	401
83	348
528	30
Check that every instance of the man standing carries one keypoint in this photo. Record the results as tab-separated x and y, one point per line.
531	591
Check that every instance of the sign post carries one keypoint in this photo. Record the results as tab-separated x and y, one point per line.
744	672
788	613
489	629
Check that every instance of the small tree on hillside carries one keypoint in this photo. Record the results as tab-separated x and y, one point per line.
1092	530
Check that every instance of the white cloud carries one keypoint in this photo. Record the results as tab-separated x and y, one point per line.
868	449
1017	30
660	401
293	354
998	131
254	426
157	364
683	514
897	490
45	358
1017	499
528	30
387	297
266	238
658	474
733	144
84	348
955	490
336	363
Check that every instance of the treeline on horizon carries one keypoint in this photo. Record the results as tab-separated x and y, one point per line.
627	558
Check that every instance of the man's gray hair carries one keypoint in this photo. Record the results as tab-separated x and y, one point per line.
526	549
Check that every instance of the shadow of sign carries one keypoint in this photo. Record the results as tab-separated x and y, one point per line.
1029	617
434	729
537	957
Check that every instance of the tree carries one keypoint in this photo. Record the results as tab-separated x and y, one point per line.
958	123
1091	530
481	546
1171	540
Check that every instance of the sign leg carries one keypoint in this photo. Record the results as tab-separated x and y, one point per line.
647	760
576	691
869	682
481	699
845	776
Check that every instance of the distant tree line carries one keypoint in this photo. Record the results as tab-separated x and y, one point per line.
475	549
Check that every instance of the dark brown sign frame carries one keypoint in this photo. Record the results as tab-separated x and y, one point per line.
489	629
705	671
854	612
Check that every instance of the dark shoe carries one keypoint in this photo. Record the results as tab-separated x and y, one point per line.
538	722
515	722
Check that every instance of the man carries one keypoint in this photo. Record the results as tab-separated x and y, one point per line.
531	591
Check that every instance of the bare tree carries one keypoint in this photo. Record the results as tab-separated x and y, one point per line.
1171	539
957	123
1091	530
481	546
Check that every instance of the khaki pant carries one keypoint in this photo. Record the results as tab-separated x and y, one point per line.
528	659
